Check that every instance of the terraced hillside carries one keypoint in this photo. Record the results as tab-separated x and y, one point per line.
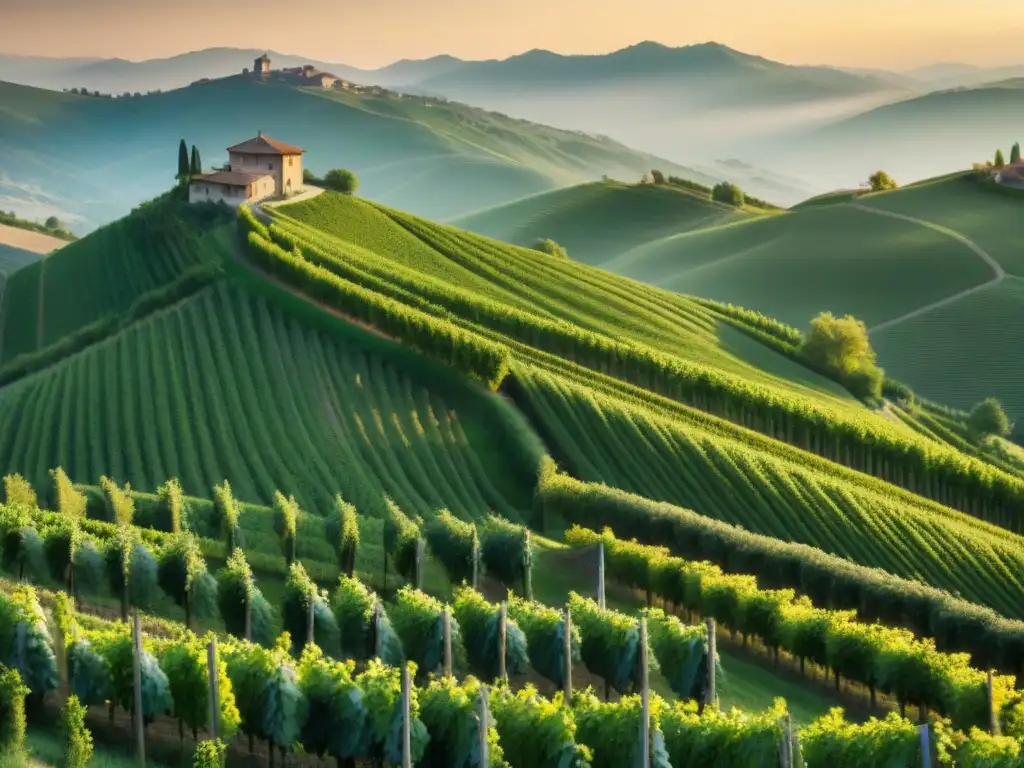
599	221
174	396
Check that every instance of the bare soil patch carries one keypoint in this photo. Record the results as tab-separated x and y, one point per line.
28	240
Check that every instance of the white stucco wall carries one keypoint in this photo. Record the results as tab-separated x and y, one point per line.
287	171
205	192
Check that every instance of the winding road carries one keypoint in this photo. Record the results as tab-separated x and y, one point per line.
997	269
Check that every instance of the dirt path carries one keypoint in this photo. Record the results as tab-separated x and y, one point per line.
997	269
28	240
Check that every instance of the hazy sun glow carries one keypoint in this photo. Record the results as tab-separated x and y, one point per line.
370	33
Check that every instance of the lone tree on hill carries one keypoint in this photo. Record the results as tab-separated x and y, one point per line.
1015	152
988	418
183	164
879	181
196	166
1000	161
728	193
841	347
52	223
551	248
341	180
658	176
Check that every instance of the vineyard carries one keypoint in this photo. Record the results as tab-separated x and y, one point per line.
663	343
108	273
602	440
598	221
172	396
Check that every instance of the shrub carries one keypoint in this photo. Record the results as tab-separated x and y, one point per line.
988	418
401	539
456	545
507	553
727	193
341	180
76	736
210	754
551	248
841	348
879	181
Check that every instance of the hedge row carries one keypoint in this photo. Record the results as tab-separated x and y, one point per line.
829	581
880	657
469	354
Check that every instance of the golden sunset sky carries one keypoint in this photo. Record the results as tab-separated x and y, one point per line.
371	33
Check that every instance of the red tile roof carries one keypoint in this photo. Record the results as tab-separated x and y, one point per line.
263	145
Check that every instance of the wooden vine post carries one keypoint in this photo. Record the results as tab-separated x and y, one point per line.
248	619
600	575
645	700
376	628
406	715
476	563
502	639
446	619
310	625
993	716
786	755
567	658
924	732
140	735
711	693
483	727
419	563
212	676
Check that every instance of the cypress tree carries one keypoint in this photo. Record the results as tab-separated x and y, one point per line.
197	163
182	160
1015	152
1000	162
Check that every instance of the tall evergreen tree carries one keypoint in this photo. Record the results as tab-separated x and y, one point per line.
1000	160
182	160
1015	152
197	163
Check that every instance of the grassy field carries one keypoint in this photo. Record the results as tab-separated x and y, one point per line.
175	396
599	221
793	266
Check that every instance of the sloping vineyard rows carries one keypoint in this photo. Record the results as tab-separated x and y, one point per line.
828	581
879	657
603	441
105	273
329	708
174	396
591	336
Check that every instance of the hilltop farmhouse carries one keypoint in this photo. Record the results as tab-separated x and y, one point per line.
257	169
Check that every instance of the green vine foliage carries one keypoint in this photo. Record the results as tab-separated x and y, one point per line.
732	739
450	712
88	673
25	642
353	607
75	735
832	741
226	515
250	668
210	754
236	586
417	618
170	514
681	651
611	644
612	730
12	709
342	530
455	543
507	553
181	562
382	687
19	492
479	623
67	500
284	708
286	518
120	502
535	731
115	645
544	628
89	568
338	721
299	592
401	535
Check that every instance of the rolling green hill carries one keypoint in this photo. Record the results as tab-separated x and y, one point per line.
599	221
338	345
921	265
435	158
